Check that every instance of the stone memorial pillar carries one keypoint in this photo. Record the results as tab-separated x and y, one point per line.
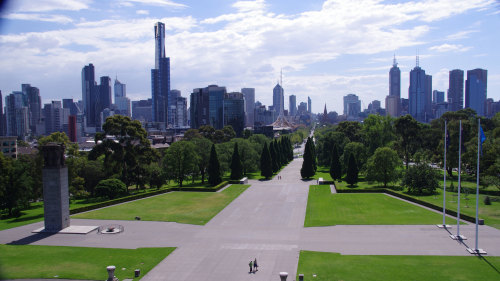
55	188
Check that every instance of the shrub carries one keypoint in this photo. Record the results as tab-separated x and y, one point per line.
421	179
111	188
487	200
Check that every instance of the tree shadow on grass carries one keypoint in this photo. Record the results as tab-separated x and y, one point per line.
25	218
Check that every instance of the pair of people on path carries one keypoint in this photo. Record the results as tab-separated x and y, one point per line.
253	265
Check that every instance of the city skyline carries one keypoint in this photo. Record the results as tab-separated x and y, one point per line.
240	44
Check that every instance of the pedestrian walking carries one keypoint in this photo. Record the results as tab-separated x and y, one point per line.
255	266
251	265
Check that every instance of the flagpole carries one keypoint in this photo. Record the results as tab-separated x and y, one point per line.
444	173
477	250
458	236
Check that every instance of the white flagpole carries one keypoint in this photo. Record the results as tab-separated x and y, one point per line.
458	236
444	185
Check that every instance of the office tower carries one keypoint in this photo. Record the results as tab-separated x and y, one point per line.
417	93
234	112
395	79
392	105
249	96
2	117
72	128
56	117
207	107
437	96
71	106
160	78
105	93
142	110
122	103
292	105
309	105
278	100
16	115
34	102
428	97
302	108
476	90
352	105
456	90
89	94
263	116
181	112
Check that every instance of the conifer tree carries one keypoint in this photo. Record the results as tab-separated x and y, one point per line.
313	154
352	171
214	177
307	169
335	168
266	169
236	166
274	157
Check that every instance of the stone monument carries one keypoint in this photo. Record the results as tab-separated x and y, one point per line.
55	188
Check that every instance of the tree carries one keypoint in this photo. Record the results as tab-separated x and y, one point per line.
352	171
307	170
191	134
351	129
249	154
156	176
360	154
181	160
214	177
377	131
229	133
274	157
247	133
266	169
236	167
383	166
421	179
203	146
335	167
207	131
60	137
111	188
125	146
407	130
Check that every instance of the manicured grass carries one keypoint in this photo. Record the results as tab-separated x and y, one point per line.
324	208
323	172
334	266
183	207
34	261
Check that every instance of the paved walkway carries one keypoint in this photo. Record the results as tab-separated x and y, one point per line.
264	222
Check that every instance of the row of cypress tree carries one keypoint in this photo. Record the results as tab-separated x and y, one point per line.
278	154
310	164
336	167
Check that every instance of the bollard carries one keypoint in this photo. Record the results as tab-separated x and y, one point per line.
111	272
137	272
283	276
301	277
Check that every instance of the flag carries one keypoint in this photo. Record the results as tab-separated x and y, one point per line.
482	139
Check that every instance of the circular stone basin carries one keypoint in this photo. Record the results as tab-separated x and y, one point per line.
110	229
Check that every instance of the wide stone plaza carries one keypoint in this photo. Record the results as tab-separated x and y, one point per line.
265	222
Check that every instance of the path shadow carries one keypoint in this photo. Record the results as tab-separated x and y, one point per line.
31	239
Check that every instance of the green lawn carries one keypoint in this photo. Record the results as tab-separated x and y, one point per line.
324	208
34	261
334	266
183	207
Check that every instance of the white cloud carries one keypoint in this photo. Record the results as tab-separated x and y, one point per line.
449	48
142	12
246	6
166	3
460	35
39	17
49	5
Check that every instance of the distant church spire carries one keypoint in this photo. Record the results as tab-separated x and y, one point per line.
324	111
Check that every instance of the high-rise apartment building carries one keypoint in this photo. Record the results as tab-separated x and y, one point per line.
160	78
419	94
476	90
292	105
456	90
180	111
249	96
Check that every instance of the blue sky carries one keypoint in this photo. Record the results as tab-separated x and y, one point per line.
326	49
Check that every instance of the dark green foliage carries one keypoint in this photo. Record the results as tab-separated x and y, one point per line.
487	200
266	168
203	146
214	177
236	167
383	166
407	130
313	154
181	160
274	157
15	185
156	176
335	167
307	170
352	171
421	179
110	188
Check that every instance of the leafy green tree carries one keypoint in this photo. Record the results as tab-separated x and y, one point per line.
249	155
181	160
335	167
307	170
207	131
229	133
325	141
111	188
247	133
352	171
203	146
192	134
407	130
383	166
125	146
236	167
421	179
377	131
266	168
360	154
60	137
214	173
15	185
351	129
156	176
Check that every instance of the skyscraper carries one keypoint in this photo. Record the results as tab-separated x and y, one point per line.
393	101
352	105
122	103
428	97
249	96
160	78
2	117
56	117
34	106
292	104
17	115
278	100
207	107
437	96
456	90
89	95
476	90
417	93
309	104
181	112
234	112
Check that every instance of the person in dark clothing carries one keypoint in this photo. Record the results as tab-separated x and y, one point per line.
255	265
250	264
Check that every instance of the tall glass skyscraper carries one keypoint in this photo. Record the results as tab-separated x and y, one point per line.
417	93
456	90
89	95
292	105
393	100
160	78
249	96
278	100
476	90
